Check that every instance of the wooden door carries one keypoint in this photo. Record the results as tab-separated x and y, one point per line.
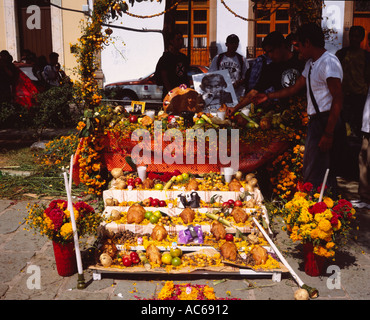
37	40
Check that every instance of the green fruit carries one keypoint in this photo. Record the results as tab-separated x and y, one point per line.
200	121
176	261
148	214
176	252
185	176
179	178
153	219
158	214
166	258
158	186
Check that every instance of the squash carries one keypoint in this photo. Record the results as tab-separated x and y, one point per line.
116	172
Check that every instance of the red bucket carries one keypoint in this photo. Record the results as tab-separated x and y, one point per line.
314	264
65	258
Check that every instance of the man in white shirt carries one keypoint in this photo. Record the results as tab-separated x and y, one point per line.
234	62
324	74
364	159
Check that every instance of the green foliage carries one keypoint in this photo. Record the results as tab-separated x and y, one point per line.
52	110
14	116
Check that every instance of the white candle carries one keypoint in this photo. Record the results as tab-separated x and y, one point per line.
323	185
70	174
73	222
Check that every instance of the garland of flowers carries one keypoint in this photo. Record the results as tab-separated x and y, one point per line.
89	45
174	6
246	19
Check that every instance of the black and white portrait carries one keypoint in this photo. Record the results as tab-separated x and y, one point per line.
216	89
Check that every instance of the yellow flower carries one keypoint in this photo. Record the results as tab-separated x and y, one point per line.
66	230
324	225
329	202
330	245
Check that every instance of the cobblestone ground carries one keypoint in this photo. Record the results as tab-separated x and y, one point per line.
22	251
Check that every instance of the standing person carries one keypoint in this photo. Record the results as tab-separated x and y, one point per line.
235	63
322	76
255	71
356	78
282	72
52	73
172	68
8	77
364	159
38	69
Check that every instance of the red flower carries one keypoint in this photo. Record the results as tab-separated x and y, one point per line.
317	208
56	215
319	188
344	202
304	187
334	219
83	208
54	205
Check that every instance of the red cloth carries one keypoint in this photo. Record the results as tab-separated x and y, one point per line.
251	157
25	91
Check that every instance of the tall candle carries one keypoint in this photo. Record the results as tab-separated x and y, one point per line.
73	222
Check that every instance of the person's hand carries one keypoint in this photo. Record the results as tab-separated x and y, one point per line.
326	142
259	98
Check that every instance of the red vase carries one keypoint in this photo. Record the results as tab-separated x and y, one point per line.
314	264
65	258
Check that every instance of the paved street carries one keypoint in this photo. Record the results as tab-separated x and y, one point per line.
22	252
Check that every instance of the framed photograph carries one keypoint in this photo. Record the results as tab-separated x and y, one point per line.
216	89
138	107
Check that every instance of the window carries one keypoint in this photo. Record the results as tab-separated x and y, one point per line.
199	30
273	16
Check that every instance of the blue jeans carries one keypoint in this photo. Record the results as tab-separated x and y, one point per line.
315	162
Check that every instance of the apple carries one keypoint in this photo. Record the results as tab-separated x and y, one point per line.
179	178
231	202
176	261
134	257
185	176
157	213
225	204
158	186
238	203
176	252
153	219
126	260
148	214
136	260
229	237
166	258
133	119
131	181
138	181
154	203
162	203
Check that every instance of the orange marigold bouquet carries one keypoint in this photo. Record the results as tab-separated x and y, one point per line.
54	220
324	224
